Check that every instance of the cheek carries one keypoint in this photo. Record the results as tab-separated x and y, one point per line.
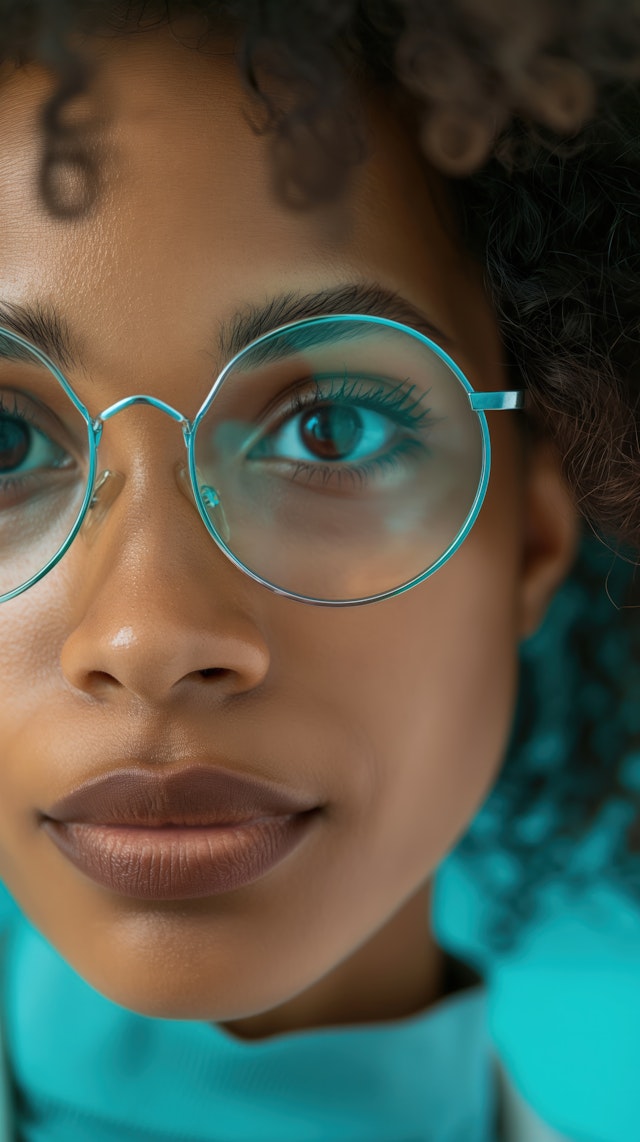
446	732
31	635
456	696
426	686
32	632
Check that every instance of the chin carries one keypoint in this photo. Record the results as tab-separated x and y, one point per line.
176	994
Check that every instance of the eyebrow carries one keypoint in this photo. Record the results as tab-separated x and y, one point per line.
44	326
363	298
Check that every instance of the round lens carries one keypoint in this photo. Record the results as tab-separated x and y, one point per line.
339	459
43	465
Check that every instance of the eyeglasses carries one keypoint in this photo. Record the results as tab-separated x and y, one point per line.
336	460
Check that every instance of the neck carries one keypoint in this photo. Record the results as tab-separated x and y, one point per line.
400	971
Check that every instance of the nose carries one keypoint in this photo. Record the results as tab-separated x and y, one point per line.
159	613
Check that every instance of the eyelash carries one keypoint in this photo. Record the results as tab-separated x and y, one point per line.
19	412
399	399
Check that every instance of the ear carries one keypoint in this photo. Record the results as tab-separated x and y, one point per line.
551	533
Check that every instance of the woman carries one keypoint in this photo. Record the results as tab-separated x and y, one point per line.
321	594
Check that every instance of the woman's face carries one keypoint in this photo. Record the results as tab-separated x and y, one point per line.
148	648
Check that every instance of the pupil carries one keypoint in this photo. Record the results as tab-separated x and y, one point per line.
331	431
14	442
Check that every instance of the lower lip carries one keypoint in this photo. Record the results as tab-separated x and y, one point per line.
179	862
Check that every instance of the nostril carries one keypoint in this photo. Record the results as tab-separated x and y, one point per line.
213	671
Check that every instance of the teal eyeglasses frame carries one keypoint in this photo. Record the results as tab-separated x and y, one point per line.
479	402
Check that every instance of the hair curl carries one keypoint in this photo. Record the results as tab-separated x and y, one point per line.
531	108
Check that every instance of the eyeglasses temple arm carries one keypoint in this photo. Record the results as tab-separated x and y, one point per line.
485	402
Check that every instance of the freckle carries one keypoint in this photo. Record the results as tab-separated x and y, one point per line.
124	637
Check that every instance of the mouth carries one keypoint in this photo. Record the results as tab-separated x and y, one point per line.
177	834
178	862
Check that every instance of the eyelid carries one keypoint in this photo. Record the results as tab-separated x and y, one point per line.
391	395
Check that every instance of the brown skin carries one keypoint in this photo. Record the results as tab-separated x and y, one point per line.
393	716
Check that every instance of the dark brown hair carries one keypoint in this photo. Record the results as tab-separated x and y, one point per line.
531	106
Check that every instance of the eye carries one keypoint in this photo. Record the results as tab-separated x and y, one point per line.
337	426
332	431
32	463
24	448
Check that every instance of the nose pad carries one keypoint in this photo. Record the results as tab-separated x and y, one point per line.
210	499
106	490
184	483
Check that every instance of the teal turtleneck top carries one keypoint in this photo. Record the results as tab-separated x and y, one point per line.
85	1069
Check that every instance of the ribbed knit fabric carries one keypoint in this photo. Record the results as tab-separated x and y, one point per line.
87	1069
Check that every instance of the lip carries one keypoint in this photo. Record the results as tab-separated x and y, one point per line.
179	863
195	795
197	831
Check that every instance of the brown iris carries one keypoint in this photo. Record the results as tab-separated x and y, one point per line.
331	431
14	442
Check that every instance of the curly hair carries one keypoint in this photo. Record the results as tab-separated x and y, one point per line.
530	108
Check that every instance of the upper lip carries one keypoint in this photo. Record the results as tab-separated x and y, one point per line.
197	795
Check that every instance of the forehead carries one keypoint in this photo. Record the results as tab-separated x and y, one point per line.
187	228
